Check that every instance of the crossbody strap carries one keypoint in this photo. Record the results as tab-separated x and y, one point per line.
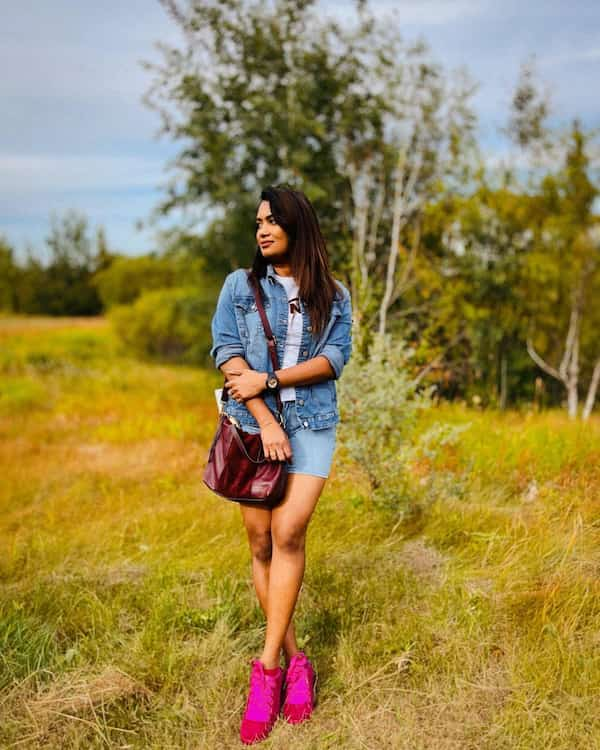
252	281
271	343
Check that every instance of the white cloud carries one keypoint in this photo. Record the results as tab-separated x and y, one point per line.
26	173
72	90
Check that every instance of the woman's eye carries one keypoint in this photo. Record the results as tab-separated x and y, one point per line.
271	221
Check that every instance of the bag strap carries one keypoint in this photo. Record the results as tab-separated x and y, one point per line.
271	343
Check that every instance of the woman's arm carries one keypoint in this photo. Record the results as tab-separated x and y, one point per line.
256	405
244	384
328	365
276	444
313	370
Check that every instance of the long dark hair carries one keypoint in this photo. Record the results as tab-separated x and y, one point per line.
307	249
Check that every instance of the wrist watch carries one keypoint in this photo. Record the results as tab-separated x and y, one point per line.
272	383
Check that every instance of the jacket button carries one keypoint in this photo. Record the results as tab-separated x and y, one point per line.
301	402
305	424
309	328
305	353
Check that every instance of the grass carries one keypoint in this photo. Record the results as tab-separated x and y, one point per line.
127	614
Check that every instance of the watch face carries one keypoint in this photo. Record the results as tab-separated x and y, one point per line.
272	382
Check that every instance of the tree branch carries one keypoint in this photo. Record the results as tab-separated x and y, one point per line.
542	364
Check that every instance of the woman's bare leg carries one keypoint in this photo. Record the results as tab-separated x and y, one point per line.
289	521
258	527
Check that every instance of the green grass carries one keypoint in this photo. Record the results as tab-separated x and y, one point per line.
127	614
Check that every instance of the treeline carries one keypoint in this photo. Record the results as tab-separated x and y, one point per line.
62	286
159	303
490	272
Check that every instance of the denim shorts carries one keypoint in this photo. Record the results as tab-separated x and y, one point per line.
312	450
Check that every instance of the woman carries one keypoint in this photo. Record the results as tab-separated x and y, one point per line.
311	317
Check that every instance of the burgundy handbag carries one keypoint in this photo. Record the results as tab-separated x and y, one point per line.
237	468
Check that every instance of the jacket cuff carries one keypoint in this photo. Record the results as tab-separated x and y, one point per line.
335	356
227	351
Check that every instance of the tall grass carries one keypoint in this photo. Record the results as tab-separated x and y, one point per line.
127	615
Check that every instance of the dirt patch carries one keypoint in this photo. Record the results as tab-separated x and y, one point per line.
76	694
423	560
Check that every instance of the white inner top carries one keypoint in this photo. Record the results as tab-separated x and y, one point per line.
293	337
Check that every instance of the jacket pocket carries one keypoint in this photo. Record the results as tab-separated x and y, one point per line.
250	325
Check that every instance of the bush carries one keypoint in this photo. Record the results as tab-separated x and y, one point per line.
170	325
379	409
127	278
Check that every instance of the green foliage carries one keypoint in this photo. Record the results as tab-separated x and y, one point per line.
309	109
27	643
62	286
167	324
21	395
8	276
66	288
380	404
126	278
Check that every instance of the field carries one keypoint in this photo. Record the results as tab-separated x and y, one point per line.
127	614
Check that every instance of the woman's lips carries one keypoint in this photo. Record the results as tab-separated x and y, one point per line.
266	244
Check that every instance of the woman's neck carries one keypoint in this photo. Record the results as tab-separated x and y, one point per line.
283	270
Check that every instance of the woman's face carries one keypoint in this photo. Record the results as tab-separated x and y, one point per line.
272	238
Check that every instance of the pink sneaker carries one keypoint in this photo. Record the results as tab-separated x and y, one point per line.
264	701
299	689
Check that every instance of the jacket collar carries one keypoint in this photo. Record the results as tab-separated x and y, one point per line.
270	273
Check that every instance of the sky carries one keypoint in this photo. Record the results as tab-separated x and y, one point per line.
75	133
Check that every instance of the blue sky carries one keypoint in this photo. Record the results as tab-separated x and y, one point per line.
74	132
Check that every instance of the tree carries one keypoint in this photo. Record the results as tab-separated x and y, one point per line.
9	274
257	99
422	147
563	266
569	238
67	290
271	94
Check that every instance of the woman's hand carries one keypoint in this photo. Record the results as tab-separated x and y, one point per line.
245	384
276	444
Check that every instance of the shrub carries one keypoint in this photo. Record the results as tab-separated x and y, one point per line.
127	278
379	408
167	324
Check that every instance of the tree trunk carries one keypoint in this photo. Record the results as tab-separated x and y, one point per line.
405	202
568	370
591	395
503	381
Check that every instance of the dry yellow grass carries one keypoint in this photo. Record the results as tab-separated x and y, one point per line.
127	616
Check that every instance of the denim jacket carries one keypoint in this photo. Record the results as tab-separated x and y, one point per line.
237	331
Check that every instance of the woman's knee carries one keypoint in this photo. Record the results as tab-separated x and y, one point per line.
290	540
261	545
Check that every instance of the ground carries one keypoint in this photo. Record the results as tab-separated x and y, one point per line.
128	618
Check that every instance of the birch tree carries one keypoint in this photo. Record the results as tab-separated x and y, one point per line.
570	242
565	278
423	147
